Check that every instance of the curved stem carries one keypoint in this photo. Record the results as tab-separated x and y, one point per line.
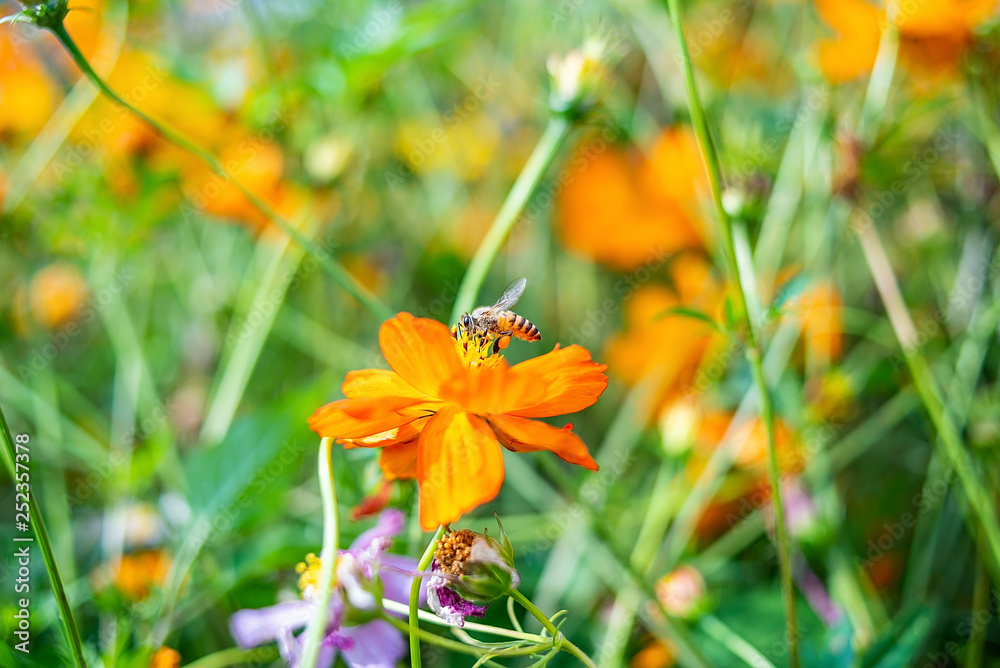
560	640
545	151
328	557
330	266
455	646
431	618
753	351
414	608
48	556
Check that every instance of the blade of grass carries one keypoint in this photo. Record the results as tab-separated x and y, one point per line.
70	629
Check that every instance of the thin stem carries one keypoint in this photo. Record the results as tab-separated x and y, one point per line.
330	266
753	351
414	609
66	611
949	435
394	606
980	601
235	656
545	151
434	639
560	640
714	628
328	557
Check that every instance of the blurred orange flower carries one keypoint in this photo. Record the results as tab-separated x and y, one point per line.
672	346
654	655
165	657
625	210
27	94
820	308
447	406
56	294
934	34
139	572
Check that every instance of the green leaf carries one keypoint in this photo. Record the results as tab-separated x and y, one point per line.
685	312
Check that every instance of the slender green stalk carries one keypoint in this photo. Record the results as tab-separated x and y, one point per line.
233	656
58	590
753	351
394	606
949	436
331	536
545	151
330	266
447	643
557	637
980	601
714	628
413	621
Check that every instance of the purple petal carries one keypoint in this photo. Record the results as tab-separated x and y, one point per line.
447	604
397	575
257	627
376	645
450	599
390	523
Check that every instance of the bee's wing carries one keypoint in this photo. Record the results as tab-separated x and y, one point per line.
510	295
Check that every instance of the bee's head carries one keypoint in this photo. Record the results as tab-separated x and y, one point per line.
467	322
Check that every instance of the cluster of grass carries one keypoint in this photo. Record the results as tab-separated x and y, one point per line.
815	313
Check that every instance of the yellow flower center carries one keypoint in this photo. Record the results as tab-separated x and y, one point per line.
308	571
475	350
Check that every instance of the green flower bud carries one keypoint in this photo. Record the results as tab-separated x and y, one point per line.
481	567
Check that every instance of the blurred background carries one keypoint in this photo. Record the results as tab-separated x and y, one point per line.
163	344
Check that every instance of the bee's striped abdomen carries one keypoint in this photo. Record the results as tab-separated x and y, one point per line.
520	327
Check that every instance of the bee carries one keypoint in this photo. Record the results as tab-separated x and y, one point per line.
499	322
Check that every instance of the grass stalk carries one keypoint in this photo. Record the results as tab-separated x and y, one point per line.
331	537
753	351
48	556
413	623
538	163
330	266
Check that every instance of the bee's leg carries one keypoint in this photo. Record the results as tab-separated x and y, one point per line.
496	346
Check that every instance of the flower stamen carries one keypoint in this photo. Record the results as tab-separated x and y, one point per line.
477	350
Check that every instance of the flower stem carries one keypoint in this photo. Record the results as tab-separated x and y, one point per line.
328	556
413	621
393	606
753	350
48	556
330	266
560	640
545	151
455	646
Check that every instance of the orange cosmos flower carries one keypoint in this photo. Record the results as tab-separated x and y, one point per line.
443	411
622	209
934	34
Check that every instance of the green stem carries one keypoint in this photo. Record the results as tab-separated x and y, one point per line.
236	656
753	350
980	601
393	606
949	436
560	640
714	628
413	621
545	151
331	537
66	611
330	266
434	639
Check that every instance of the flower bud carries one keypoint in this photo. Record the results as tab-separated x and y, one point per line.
576	78
482	567
682	592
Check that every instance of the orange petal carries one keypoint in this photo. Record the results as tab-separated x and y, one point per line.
399	461
523	435
405	434
492	390
572	382
420	350
377	383
357	418
459	466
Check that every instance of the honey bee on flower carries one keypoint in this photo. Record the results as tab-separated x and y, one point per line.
498	321
448	404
